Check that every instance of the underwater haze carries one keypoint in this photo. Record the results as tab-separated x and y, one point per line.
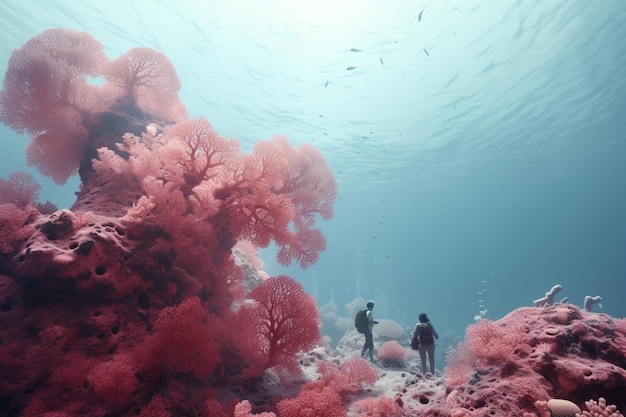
479	146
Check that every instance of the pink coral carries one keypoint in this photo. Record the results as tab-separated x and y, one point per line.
583	351
45	93
492	342
600	409
379	407
20	189
181	342
282	321
244	409
16	225
141	271
348	378
148	78
392	353
324	402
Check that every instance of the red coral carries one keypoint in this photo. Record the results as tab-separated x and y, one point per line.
379	407
392	353
313	403
144	280
345	379
282	322
15	227
115	381
358	371
20	189
244	409
181	342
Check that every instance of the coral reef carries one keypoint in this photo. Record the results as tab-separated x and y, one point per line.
535	354
143	297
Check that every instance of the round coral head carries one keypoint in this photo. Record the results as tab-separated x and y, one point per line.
562	408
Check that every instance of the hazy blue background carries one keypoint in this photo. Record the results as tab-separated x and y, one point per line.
480	151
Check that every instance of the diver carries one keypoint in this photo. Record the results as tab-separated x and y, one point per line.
369	338
426	334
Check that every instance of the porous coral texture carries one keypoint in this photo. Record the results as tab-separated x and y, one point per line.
554	352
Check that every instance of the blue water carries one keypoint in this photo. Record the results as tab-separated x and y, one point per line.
480	151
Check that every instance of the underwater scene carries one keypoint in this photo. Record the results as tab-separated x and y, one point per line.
292	208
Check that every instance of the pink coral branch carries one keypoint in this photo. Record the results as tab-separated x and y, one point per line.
148	79
600	409
20	189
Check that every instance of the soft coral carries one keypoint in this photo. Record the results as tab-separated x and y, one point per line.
46	95
19	189
281	321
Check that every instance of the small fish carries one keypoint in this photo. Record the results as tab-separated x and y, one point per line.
382	62
355	50
426	52
350	68
326	83
419	16
320	116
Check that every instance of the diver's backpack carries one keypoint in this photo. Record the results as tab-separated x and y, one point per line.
425	334
360	321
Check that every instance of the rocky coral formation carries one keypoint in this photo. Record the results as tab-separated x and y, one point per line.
132	302
537	354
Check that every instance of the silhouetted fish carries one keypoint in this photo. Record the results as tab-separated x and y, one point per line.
355	50
326	83
350	68
381	61
419	16
426	52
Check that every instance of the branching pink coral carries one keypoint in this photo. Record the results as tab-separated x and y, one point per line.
44	95
149	80
45	79
283	321
600	409
460	363
347	378
491	343
189	170
358	371
141	270
196	153
20	189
